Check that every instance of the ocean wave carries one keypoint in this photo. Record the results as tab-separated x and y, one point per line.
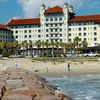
85	87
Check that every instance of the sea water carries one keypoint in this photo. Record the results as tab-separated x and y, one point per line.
79	88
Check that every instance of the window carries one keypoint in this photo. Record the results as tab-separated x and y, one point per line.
95	28
69	34
56	40
60	30
29	36
25	31
39	36
51	19
56	35
39	31
69	29
25	36
47	19
25	41
56	25
47	40
51	30
16	26
60	24
51	25
47	30
16	31
47	25
51	35
30	41
47	35
84	39
56	19
79	34
95	33
60	19
60	35
29	31
60	40
12	37
29	26
56	30
16	36
69	40
84	28
79	29
84	34
95	39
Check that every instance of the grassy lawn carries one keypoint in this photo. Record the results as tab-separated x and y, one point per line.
78	59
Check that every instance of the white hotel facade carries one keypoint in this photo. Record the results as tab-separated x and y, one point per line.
57	24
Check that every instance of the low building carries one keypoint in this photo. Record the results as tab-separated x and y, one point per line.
6	34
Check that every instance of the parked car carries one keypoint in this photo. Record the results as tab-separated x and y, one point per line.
72	55
1	56
15	56
91	54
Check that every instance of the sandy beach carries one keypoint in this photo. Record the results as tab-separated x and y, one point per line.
49	69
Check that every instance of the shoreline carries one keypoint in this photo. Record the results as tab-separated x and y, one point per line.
49	69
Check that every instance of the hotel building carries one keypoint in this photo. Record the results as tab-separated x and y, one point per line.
57	24
5	34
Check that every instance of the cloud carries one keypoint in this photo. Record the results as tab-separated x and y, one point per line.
31	7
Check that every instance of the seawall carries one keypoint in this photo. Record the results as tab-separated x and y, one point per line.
21	84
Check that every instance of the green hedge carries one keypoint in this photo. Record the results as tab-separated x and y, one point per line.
7	53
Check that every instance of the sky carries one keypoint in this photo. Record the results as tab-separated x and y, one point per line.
12	9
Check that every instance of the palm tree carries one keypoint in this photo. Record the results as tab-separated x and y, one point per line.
37	44
43	43
57	44
76	41
30	45
71	46
24	46
84	44
2	44
47	44
52	44
65	45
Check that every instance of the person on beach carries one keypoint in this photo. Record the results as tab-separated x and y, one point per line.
16	65
68	66
47	69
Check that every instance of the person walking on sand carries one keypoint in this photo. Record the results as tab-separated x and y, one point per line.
16	65
68	66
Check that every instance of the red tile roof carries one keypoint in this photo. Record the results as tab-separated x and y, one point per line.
3	27
24	21
55	9
95	18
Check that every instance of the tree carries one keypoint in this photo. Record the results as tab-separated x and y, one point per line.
47	44
2	44
43	44
30	45
52	44
24	46
57	44
71	47
84	44
37	44
76	41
